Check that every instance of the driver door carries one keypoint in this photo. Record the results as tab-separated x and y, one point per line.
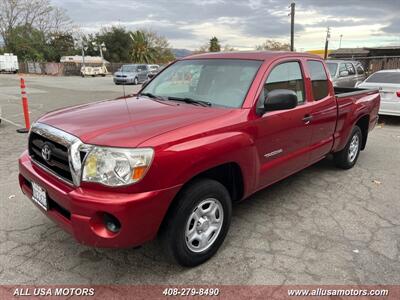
283	136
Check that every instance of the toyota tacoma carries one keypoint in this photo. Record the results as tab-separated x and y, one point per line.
207	131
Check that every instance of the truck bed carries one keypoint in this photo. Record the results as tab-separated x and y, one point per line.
341	92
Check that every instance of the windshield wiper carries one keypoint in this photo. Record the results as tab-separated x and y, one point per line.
190	101
150	95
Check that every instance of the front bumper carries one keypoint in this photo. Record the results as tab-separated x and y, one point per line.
123	80
80	211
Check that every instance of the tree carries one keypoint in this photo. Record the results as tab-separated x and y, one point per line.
149	47
160	43
228	48
60	44
34	14
142	50
273	46
27	43
202	49
118	44
214	45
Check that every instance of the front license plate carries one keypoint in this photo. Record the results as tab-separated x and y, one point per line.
39	195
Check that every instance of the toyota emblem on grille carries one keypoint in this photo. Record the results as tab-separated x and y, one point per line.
46	152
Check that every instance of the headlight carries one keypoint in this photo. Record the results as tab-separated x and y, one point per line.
116	166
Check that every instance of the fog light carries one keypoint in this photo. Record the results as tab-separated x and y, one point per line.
112	224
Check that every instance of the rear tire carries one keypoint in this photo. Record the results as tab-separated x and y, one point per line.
197	223
347	158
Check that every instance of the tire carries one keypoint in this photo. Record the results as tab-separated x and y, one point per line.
182	221
347	158
135	81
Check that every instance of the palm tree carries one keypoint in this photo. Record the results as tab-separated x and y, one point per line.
142	50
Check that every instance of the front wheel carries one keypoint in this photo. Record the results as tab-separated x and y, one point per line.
197	223
347	158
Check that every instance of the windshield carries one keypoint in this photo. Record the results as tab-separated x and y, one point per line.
332	67
385	77
220	82
128	68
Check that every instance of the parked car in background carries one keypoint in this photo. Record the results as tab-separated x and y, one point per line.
154	69
207	132
388	84
345	73
132	74
94	71
9	63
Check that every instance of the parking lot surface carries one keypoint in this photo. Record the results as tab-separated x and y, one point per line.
319	226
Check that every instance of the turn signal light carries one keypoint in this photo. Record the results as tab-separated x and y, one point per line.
138	172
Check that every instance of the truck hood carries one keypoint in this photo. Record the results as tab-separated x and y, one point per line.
127	122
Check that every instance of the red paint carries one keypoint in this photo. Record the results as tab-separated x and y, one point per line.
189	140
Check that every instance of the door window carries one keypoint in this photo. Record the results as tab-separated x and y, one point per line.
360	70
350	69
285	76
319	80
342	68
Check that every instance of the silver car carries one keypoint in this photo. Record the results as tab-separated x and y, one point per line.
345	73
153	70
132	74
388	83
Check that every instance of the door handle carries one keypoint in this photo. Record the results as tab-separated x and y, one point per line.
307	119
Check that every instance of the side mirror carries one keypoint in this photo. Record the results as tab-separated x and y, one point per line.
344	73
280	100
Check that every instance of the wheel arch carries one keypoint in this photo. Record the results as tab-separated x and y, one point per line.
363	124
229	174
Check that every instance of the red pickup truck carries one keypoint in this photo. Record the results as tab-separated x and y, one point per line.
206	132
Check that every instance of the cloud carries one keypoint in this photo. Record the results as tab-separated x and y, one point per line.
241	23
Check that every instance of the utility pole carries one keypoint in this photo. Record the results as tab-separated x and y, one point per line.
340	41
292	11
328	35
84	48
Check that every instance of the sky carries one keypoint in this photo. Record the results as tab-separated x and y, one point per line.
244	24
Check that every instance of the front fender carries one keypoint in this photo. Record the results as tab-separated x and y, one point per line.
190	158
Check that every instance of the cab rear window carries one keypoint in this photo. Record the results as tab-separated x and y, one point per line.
385	77
319	80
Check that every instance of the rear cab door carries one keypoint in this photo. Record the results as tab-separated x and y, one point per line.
352	74
360	73
284	136
323	109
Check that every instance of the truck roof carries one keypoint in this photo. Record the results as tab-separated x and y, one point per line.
252	55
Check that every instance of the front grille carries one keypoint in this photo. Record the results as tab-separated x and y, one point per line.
121	76
58	161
